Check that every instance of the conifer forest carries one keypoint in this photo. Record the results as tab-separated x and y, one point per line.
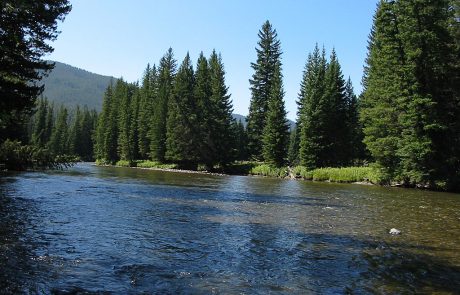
404	127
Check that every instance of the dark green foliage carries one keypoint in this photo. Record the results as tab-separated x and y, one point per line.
222	137
16	156
327	128
59	142
157	134
127	97
294	145
335	104
355	147
411	104
148	96
275	133
40	133
205	147
106	141
181	125
312	112
26	28
241	140
268	58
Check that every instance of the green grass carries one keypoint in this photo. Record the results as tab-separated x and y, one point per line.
345	174
267	170
155	164
124	163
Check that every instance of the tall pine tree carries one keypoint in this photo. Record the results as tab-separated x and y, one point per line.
410	103
181	139
275	134
268	58
157	133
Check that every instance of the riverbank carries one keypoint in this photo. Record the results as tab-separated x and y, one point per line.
357	175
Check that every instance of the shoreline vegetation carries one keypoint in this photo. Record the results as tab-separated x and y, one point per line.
354	175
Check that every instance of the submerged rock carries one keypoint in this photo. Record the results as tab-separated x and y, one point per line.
394	231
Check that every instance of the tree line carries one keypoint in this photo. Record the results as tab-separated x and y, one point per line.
63	131
406	122
178	115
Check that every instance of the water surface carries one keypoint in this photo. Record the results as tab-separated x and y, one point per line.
108	230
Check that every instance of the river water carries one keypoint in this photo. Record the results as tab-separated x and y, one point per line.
102	230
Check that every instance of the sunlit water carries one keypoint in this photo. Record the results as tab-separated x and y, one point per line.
126	231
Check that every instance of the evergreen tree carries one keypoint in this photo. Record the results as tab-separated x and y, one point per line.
148	96
355	146
294	145
410	101
107	128
337	151
313	112
87	126
127	109
157	134
49	123
39	126
75	133
268	57
241	140
26	28
222	138
181	144
59	138
206	150
275	133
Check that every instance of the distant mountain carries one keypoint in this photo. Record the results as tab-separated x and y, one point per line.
72	86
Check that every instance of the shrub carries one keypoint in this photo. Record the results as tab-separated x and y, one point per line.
267	170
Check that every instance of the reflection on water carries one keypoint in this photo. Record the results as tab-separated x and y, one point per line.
128	231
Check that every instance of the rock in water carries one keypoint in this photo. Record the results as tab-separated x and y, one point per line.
394	231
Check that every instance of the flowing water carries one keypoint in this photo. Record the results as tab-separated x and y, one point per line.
101	230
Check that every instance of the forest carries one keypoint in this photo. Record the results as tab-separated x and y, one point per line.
403	129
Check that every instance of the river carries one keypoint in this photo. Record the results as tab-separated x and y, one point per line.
105	230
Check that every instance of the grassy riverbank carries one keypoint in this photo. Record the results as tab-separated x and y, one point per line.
341	175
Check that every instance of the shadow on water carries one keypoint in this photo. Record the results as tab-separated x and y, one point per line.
97	236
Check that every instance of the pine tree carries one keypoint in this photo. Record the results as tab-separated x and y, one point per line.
145	111
127	97
39	127
275	133
26	29
220	115
75	133
49	125
355	146
410	102
336	141
294	145
312	114
241	140
157	134
181	144
268	57
59	138
202	95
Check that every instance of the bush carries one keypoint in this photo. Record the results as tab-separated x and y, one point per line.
124	163
346	174
155	164
15	156
267	170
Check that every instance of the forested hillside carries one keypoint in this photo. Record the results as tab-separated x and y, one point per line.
72	86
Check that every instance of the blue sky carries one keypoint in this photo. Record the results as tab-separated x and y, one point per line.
119	38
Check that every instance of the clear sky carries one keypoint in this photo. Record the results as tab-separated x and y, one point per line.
118	38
